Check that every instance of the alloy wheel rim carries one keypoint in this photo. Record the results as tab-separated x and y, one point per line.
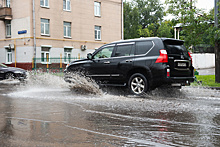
137	85
9	76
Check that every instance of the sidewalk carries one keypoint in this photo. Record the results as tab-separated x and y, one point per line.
207	71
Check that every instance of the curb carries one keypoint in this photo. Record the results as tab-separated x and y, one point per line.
215	88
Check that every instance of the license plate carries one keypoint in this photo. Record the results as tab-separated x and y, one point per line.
181	64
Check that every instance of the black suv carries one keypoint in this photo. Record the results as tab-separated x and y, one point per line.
141	64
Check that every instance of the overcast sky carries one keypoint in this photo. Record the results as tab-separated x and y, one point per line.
205	4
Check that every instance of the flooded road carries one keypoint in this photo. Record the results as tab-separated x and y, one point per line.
46	111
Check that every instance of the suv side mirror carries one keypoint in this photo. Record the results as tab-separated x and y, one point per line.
89	56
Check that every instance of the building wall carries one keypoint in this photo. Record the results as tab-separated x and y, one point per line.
82	21
203	60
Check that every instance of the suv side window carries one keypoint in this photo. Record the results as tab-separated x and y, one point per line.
142	47
124	50
104	53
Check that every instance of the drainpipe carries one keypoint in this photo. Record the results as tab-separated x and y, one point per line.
34	32
122	20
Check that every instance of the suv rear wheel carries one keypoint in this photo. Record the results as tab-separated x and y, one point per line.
138	84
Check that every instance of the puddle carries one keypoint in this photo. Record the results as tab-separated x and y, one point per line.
10	82
46	103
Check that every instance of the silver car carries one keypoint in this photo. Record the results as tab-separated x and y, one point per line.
12	72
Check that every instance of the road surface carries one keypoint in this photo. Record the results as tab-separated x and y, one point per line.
48	112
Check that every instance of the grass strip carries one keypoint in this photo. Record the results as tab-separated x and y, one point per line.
206	80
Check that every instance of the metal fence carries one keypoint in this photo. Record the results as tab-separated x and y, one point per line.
57	64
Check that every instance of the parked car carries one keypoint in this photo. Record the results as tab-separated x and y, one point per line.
141	64
12	72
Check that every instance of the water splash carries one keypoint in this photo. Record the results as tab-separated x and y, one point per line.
83	85
10	82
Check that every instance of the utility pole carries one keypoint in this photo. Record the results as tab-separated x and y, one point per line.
217	49
34	33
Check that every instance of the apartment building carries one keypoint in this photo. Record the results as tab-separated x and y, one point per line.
56	28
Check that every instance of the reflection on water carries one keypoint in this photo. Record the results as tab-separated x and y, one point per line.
47	112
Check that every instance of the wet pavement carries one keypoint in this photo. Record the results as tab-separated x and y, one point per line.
48	112
206	71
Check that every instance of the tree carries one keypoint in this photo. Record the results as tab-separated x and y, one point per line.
131	21
164	30
151	11
194	21
139	17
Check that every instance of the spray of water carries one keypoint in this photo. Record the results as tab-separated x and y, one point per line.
83	85
45	80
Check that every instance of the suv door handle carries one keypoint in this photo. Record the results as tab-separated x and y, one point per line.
106	62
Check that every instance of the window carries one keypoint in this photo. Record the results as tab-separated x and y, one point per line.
67	55
143	47
67	29
97	32
97	8
44	3
8	56
124	50
8	28
8	3
45	26
66	5
104	53
45	54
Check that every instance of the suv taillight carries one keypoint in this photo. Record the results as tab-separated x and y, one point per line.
190	57
163	58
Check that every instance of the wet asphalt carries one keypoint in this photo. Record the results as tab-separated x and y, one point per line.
48	112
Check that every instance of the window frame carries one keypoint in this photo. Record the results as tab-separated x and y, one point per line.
8	3
67	55
66	2
44	51
97	9
44	5
8	56
8	26
44	27
67	29
98	33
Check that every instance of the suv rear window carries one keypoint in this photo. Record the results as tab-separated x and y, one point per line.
175	48
143	47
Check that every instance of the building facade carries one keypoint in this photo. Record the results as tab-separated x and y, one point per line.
48	29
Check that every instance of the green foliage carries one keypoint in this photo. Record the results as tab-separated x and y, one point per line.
131	21
164	30
197	25
207	80
142	18
151	11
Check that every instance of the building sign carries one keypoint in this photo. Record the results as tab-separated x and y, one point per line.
22	32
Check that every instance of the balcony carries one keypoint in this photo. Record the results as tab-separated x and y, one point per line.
5	13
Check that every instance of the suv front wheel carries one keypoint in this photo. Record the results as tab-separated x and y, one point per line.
138	84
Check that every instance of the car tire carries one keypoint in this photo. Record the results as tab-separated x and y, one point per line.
138	84
9	75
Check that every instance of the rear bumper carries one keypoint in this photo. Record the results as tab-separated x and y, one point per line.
180	80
